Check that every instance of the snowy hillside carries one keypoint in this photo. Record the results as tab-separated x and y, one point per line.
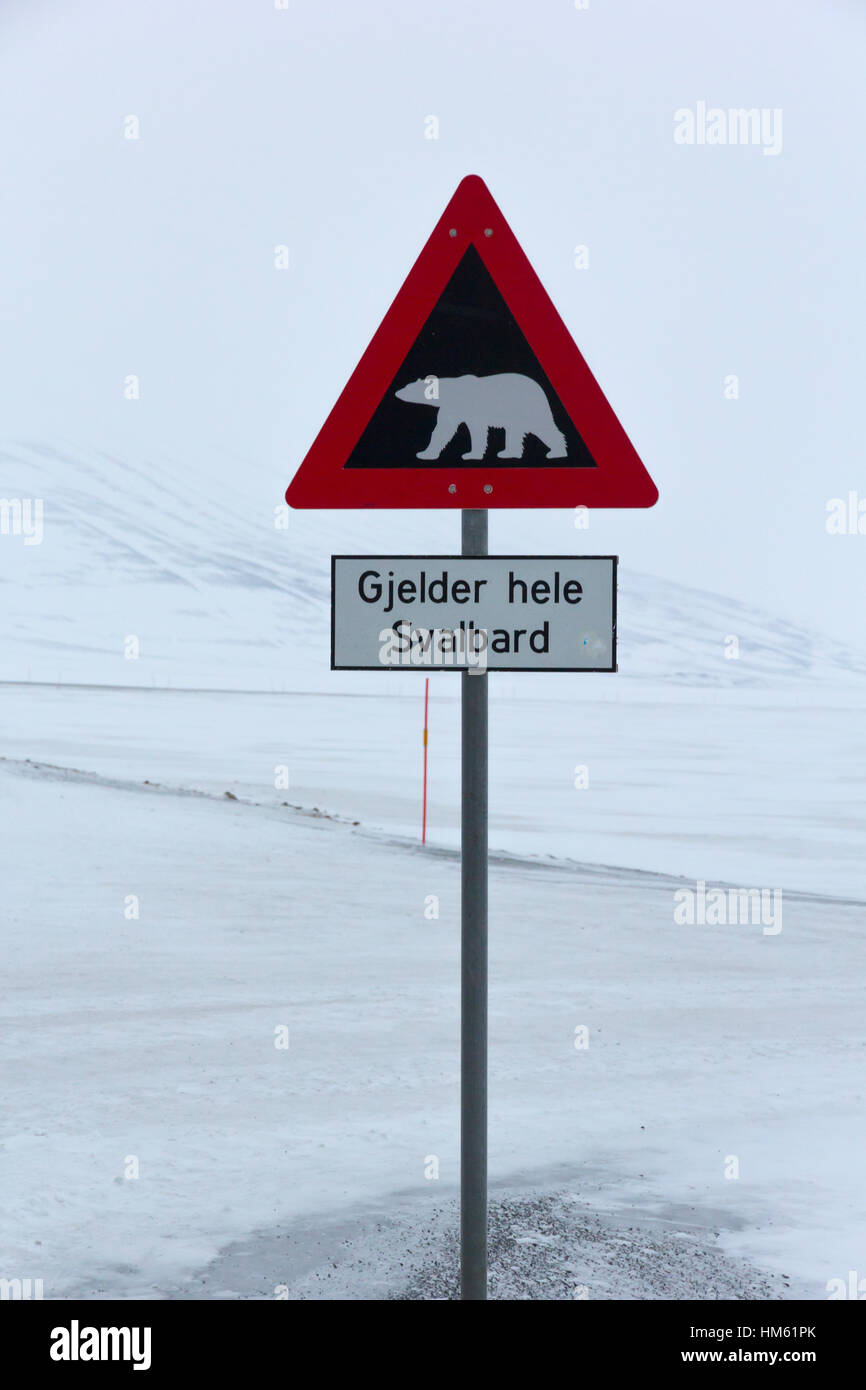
223	588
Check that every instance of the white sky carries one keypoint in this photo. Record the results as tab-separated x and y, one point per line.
306	126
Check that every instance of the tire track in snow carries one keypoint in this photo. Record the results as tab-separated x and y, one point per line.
608	874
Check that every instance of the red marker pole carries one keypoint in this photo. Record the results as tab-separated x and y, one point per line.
424	812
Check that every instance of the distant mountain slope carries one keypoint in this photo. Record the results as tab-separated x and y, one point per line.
195	563
674	632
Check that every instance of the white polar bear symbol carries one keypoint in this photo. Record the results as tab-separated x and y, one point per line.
505	400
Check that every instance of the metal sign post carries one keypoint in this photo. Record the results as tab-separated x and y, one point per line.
473	960
472	394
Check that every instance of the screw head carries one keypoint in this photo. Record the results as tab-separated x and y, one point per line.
453	231
452	487
488	487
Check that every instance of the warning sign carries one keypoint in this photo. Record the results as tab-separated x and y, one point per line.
496	613
472	393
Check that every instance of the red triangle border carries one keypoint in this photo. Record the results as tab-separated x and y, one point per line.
619	478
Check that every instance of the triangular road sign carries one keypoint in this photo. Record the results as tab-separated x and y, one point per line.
472	392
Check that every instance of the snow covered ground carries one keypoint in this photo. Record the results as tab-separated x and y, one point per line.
151	1039
158	933
760	788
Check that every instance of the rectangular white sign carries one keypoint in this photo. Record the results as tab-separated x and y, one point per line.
490	613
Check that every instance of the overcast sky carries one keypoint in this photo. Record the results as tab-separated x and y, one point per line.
260	126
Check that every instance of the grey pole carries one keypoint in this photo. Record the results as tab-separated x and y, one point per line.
473	918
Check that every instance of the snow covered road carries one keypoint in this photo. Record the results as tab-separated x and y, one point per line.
149	1044
753	787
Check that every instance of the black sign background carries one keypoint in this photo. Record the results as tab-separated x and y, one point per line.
471	330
